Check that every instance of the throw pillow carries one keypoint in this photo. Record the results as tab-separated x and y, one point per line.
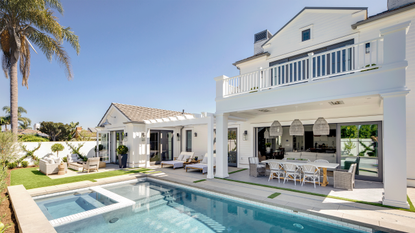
180	158
351	168
51	161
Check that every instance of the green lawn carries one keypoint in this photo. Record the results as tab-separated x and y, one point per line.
31	178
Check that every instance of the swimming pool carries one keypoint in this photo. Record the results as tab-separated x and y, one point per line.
158	206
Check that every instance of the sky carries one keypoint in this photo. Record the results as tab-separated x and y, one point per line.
155	53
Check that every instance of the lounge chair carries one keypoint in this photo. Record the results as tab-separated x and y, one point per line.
183	157
91	164
202	166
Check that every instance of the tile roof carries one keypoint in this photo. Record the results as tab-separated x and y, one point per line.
384	14
139	114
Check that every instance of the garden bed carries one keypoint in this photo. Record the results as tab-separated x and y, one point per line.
6	208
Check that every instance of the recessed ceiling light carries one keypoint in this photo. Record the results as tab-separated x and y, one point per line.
336	102
264	110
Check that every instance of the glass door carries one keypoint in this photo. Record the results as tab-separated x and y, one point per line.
119	140
105	152
361	143
233	147
161	146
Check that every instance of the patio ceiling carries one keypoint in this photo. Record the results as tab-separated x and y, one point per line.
373	101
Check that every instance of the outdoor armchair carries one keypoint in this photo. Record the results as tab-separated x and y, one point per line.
91	164
255	168
345	180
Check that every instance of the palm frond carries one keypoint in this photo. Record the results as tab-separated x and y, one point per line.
71	38
25	62
55	4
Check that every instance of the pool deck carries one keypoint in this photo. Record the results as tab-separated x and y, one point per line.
349	212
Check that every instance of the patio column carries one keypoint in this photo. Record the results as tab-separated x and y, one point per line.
221	145
394	148
147	148
210	174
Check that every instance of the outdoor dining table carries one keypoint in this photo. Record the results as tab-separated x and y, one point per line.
324	166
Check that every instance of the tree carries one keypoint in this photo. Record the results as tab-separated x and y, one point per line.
56	148
56	131
23	23
23	121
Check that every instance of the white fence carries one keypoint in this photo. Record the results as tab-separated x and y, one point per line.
45	149
345	60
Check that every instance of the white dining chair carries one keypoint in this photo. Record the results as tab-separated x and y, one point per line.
292	171
312	172
276	171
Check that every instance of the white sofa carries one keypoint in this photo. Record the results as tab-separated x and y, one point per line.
50	165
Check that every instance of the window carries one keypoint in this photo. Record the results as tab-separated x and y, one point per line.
188	141
367	47
306	34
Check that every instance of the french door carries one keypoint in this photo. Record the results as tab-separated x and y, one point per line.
161	146
103	139
361	143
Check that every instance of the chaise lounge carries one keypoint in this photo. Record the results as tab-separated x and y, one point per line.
202	166
183	157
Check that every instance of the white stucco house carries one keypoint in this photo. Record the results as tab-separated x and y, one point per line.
354	71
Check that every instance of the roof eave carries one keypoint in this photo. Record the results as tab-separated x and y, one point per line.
251	58
386	14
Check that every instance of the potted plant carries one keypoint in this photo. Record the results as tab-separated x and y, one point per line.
196	158
100	148
268	145
122	156
57	147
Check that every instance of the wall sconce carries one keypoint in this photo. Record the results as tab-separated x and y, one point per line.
125	134
195	135
178	137
245	135
143	137
367	47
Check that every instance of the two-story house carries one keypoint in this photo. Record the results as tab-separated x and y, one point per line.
331	84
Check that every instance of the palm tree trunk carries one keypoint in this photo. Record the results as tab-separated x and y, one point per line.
13	96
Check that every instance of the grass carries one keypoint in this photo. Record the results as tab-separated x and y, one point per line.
31	178
197	181
274	195
238	170
411	209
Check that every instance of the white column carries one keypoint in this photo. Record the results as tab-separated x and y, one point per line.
220	86
147	145
221	145
394	149
210	174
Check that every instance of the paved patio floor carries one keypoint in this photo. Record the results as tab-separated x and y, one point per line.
364	190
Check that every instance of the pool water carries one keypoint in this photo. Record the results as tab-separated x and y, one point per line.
59	206
161	207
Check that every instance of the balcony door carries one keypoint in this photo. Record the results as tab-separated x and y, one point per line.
361	143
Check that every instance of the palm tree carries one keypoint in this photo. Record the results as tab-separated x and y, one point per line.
3	121
23	121
23	22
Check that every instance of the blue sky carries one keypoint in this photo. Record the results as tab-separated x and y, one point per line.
160	54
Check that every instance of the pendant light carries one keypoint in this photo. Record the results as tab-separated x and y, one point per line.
276	129
296	128
266	134
321	127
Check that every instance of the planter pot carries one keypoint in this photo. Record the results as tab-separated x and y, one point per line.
268	149
61	169
122	161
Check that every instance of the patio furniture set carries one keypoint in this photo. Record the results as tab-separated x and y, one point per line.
51	164
303	170
187	160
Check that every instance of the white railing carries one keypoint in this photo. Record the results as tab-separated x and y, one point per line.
354	58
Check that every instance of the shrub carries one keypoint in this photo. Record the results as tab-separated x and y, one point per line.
122	150
32	138
25	163
65	159
11	165
100	147
36	163
57	147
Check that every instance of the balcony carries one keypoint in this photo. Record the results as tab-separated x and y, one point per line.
361	57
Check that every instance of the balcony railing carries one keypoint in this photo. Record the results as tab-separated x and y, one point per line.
354	58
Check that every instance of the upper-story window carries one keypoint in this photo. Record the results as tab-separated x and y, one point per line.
306	35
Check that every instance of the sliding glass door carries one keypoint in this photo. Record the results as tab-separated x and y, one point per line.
161	146
361	143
